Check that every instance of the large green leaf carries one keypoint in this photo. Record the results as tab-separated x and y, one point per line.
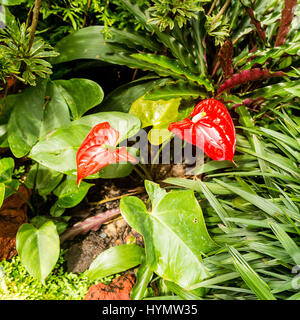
159	114
80	95
40	110
114	260
42	179
90	43
25	120
124	96
38	248
58	150
69	195
174	232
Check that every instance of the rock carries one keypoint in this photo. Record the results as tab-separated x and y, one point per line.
119	289
13	214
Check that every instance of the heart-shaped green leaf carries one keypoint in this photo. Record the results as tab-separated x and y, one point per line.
38	248
80	95
174	232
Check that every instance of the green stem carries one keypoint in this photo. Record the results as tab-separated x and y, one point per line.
145	171
140	173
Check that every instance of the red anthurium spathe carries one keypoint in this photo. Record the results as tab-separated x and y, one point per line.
98	150
210	128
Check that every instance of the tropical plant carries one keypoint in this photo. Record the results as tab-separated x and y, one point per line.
231	232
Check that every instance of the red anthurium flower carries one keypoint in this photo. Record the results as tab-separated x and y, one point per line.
210	128
98	150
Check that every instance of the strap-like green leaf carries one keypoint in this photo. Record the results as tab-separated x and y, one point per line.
251	278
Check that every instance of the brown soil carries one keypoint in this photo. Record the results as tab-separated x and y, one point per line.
82	253
13	213
119	289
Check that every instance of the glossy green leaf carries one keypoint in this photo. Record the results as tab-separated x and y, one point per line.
114	260
261	56
58	150
90	43
158	114
43	179
6	169
11	187
55	110
38	249
42	109
25	120
174	232
213	201
69	195
80	95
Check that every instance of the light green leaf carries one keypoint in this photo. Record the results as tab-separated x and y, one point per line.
174	232
287	242
38	249
6	169
114	260
2	193
144	275
159	114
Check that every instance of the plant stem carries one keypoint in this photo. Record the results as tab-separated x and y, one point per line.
146	172
226	4
212	7
86	13
35	18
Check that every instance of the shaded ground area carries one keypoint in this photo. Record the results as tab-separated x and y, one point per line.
13	213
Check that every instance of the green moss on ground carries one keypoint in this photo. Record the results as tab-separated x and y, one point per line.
17	284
